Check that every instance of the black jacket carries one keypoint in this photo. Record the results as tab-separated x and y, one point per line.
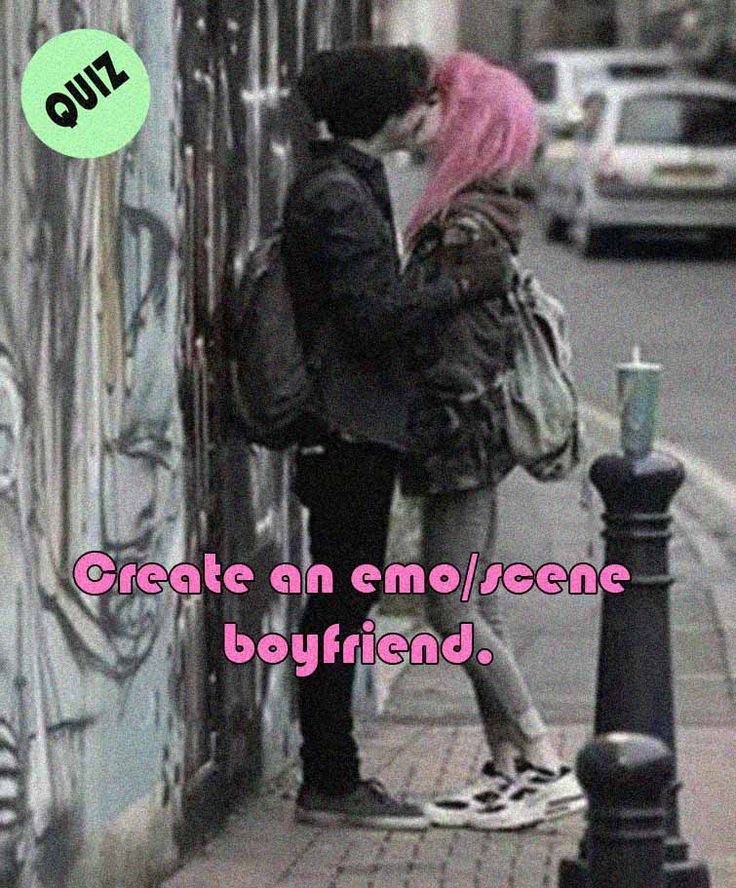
354	312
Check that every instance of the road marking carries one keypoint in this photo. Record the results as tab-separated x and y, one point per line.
698	469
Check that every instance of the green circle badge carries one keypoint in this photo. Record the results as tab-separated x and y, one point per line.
85	93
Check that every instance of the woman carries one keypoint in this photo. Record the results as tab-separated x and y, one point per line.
469	218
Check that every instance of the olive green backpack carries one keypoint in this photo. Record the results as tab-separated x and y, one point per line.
538	397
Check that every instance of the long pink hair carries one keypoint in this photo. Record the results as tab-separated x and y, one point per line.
488	129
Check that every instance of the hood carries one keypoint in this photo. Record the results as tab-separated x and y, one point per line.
499	204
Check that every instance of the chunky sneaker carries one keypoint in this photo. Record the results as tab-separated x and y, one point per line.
368	806
454	809
561	791
515	806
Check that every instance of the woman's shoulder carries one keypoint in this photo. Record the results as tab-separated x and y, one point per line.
483	217
463	224
467	222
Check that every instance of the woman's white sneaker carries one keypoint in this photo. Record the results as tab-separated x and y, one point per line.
517	807
455	809
561	791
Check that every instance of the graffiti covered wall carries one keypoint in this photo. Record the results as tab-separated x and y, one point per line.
117	716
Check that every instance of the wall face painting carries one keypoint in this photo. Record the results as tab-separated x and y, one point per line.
118	718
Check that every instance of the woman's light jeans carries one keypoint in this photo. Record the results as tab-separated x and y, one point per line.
455	525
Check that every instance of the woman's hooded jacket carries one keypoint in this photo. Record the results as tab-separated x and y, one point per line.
457	437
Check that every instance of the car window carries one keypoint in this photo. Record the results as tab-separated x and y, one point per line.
694	120
622	72
542	81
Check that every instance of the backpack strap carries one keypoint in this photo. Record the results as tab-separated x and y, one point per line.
333	170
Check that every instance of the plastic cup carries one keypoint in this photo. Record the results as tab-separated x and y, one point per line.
638	400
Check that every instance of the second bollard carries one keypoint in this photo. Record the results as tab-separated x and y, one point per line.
635	688
625	777
635	692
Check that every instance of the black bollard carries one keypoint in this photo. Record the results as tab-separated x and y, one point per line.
635	692
625	777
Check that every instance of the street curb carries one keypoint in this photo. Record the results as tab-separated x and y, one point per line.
719	580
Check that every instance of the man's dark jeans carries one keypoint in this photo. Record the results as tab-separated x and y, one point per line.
348	491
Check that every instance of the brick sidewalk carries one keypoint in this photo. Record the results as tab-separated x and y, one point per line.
428	739
262	846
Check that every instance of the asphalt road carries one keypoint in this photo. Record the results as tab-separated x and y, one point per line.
677	302
679	305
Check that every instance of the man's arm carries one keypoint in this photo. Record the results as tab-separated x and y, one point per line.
363	272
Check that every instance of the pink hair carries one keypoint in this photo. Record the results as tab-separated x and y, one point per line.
488	129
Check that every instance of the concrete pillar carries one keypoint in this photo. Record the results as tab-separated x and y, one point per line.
431	23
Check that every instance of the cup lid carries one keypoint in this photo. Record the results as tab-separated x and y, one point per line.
639	366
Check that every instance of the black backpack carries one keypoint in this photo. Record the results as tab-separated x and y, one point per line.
268	386
266	378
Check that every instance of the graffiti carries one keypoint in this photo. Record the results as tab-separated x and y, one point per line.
90	451
112	438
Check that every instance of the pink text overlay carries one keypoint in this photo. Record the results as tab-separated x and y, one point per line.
95	573
307	651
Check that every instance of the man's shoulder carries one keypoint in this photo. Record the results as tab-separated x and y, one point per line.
322	173
331	195
332	184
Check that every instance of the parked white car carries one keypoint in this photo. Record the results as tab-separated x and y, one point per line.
560	78
651	157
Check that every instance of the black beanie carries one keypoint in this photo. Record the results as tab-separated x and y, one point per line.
355	90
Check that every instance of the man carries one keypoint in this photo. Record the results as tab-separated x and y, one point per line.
355	316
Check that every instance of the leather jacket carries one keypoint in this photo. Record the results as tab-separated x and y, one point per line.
355	312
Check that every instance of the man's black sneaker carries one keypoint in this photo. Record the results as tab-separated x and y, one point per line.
368	806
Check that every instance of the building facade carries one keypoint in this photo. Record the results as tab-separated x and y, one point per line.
703	31
509	30
430	23
121	730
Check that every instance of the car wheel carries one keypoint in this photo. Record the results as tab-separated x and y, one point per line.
724	243
596	243
591	240
556	230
